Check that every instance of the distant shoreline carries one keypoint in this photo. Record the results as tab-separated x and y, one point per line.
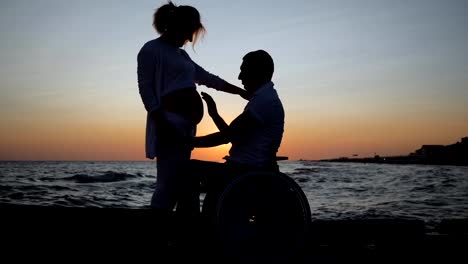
403	160
454	155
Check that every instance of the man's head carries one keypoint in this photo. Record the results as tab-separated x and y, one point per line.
256	69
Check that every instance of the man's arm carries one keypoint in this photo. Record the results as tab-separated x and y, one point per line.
243	125
240	126
213	112
211	140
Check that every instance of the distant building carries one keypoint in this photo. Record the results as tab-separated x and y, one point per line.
454	154
464	141
437	154
427	151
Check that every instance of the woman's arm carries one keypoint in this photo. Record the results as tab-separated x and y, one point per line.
146	65
203	77
229	88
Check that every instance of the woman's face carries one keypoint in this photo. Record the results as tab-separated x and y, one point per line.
187	35
181	37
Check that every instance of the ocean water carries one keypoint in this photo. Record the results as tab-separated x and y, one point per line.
334	190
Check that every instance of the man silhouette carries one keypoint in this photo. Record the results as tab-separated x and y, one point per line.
255	134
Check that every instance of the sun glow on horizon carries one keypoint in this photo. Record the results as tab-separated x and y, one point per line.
379	77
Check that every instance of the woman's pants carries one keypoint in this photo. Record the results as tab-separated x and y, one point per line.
175	185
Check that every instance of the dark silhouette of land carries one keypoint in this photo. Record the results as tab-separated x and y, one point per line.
49	233
454	154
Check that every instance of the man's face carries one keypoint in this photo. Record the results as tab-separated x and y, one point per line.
246	76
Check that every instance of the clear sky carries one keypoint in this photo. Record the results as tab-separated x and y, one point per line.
355	77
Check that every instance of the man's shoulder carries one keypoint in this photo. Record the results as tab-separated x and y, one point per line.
266	104
267	96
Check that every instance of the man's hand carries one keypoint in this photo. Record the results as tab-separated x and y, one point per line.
210	103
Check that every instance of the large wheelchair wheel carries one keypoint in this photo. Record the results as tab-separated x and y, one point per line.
262	217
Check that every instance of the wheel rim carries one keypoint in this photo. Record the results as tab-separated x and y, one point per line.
262	214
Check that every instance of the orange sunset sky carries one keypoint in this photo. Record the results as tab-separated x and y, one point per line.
367	77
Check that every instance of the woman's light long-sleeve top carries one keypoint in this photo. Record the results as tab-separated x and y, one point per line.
163	69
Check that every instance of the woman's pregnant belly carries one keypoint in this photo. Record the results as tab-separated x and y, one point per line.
185	102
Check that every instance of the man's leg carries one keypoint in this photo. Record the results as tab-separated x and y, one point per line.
213	176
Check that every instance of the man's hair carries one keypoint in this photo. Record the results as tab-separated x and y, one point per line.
262	62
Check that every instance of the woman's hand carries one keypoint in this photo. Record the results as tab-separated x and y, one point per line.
229	88
246	95
210	103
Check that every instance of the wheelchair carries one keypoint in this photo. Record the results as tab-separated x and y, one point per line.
260	216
